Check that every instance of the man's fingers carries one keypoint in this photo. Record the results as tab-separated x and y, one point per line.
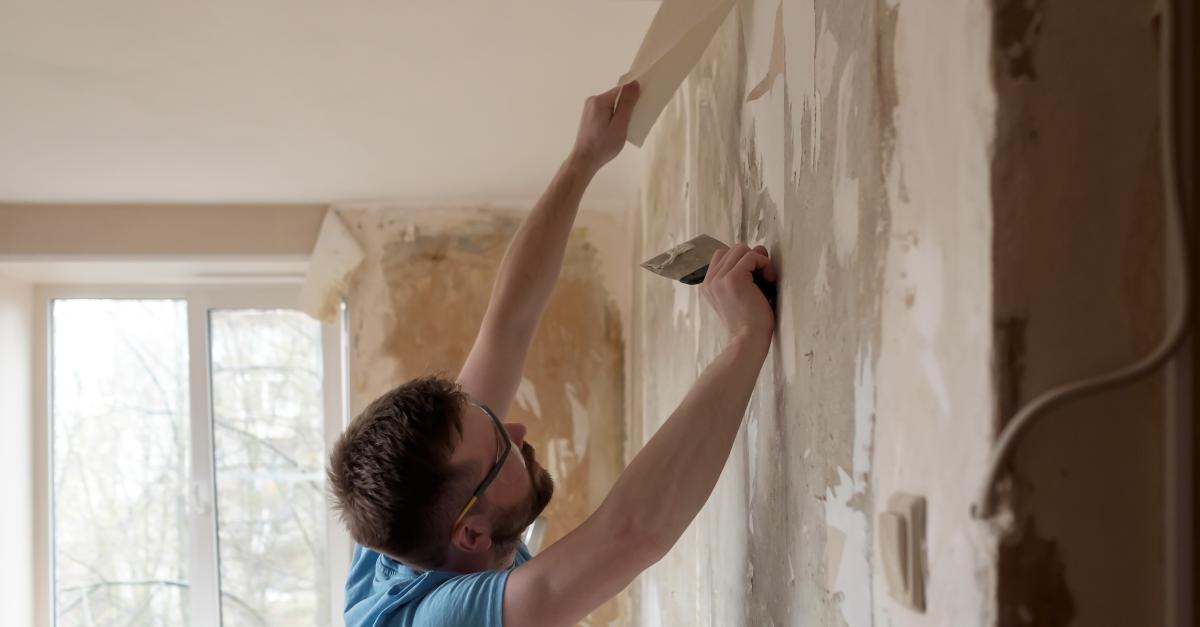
715	263
623	106
752	261
606	100
769	273
731	259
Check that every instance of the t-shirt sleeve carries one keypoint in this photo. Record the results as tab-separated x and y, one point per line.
476	599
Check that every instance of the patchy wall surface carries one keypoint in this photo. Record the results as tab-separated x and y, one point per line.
1078	291
852	140
415	309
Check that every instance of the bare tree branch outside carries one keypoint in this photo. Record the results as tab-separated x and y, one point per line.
120	411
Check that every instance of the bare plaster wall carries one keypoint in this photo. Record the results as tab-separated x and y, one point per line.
852	139
1078	291
415	308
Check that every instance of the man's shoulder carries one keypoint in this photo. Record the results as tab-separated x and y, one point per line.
381	591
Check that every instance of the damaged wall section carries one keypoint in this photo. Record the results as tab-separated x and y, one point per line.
824	131
415	308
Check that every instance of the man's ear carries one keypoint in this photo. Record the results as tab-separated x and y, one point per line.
473	535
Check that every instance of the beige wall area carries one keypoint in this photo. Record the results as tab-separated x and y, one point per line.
415	307
16	452
861	162
965	204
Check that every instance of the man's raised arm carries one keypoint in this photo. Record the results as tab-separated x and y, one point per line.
534	258
668	481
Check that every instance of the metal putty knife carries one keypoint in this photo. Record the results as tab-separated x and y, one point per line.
688	264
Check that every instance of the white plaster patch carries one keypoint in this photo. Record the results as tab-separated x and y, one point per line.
927	275
852	582
821	281
579	422
527	398
682	304
864	415
651	612
851	576
845	195
557	449
785	334
752	447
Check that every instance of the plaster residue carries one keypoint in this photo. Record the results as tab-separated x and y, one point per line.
777	63
527	397
863	136
420	295
844	510
821	280
845	195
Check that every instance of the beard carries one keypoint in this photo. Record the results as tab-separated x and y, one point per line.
510	524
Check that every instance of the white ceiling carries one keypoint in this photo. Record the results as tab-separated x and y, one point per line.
304	101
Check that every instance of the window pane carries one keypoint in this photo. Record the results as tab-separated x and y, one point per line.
269	452
119	398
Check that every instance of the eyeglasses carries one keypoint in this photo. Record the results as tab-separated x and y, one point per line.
491	476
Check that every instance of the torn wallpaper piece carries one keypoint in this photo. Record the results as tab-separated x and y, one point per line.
334	259
680	32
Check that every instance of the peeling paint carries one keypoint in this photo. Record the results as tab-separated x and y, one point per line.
775	68
527	398
420	294
579	422
815	166
821	282
845	197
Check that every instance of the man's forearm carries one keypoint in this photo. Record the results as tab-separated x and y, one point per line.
669	480
534	258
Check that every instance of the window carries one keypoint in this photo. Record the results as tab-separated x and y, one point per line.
188	437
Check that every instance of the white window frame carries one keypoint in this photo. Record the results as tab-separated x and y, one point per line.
204	574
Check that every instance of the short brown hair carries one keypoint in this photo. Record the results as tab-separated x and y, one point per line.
390	475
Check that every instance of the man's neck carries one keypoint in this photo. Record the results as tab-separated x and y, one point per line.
460	562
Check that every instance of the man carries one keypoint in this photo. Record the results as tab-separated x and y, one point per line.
436	488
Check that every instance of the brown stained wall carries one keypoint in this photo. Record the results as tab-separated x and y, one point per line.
1078	266
824	130
416	307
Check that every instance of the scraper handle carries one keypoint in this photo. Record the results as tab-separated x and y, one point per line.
767	287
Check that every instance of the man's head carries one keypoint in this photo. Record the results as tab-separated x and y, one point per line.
407	465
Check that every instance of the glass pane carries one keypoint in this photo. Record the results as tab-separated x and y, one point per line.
269	451
119	398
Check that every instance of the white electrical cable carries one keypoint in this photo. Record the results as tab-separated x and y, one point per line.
985	506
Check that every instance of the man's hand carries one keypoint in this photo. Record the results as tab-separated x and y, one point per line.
492	372
602	131
729	287
668	481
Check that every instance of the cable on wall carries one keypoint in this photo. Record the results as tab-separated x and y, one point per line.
985	505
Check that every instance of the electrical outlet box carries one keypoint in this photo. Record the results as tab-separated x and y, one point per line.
901	531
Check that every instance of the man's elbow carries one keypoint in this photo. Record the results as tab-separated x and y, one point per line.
641	539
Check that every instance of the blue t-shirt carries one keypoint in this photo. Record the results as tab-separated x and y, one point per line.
381	592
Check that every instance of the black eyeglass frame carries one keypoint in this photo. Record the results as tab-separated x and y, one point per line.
495	470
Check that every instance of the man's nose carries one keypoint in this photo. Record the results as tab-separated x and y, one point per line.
516	432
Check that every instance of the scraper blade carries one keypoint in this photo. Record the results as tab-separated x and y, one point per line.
688	264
